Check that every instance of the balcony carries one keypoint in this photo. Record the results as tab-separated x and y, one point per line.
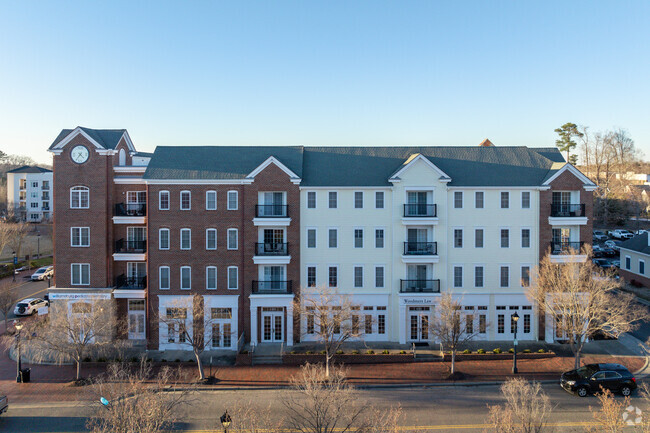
272	249
137	283
46	208
419	286
420	210
271	211
45	197
272	287
130	247
559	210
565	247
45	187
130	209
420	248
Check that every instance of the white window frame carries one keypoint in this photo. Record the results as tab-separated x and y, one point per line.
354	199
180	196
354	237
160	231
483	201
628	259
236	277
501	199
308	229
482	266
383	199
530	237
521	275
383	285
80	245
336	201
338	276
641	261
236	232
82	189
462	237
315	199
72	272
462	276
207	237
483	231
462	200
189	268
207	200
207	278
501	237
189	238
236	194
354	276
160	269
160	194
336	229
509	275
383	229
315	275
530	199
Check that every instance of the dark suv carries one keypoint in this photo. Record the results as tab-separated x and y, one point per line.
592	377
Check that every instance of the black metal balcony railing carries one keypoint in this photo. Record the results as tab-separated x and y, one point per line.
565	247
45	197
122	282
271	210
272	287
420	248
419	286
420	210
130	209
45	208
45	187
126	246
272	249
567	210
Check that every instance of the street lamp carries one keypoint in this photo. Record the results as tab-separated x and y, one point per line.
225	421
515	317
15	262
38	245
18	327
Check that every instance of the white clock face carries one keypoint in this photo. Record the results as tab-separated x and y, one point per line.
79	154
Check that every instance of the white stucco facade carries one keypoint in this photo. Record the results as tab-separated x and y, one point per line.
29	195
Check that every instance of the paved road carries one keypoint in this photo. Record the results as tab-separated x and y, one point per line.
27	289
431	409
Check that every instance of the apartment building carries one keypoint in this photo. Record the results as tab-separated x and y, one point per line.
29	193
251	229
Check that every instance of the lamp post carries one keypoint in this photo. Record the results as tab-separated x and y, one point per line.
38	245
18	327
515	317
15	263
225	421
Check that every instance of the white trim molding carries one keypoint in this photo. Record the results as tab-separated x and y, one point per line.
295	179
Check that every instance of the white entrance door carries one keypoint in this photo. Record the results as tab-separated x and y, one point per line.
136	319
418	318
272	325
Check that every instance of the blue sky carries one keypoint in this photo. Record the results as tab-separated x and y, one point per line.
322	73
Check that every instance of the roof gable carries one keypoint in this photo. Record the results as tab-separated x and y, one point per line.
413	159
105	139
272	160
555	172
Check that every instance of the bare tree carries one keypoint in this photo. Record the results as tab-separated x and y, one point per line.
137	399
247	417
448	329
527	409
19	231
73	331
609	418
7	299
332	318
6	234
582	301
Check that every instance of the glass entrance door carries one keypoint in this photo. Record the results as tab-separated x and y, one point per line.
419	324
273	325
136	319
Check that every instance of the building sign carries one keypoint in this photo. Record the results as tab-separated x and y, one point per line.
74	296
420	301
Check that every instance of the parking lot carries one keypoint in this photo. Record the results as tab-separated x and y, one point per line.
606	244
26	289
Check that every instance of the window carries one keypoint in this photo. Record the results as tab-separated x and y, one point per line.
358	276
33	205
482	321
479	197
469	324
458	199
379	276
333	276
525	238
163	277
358	199
186	239
478	276
211	277
525	276
211	200
34	184
311	238
233	200
628	263
135	198
641	267
79	197
310	320
478	238
458	238
311	276
381	321
163	200
501	323
505	238
333	199
233	277
333	238
186	277
525	199
311	199
358	238
211	239
163	239
379	238
505	200
379	200
526	323
80	236
186	200
458	276
80	275
232	239
505	276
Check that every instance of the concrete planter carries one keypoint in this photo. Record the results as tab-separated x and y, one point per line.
362	358
497	356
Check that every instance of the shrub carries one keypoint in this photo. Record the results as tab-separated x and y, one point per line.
191	360
86	359
385	352
293	352
402	352
323	352
481	351
309	352
118	359
497	350
244	352
101	359
541	351
355	352
467	351
526	350
370	352
339	352
511	350
163	360
134	359
177	360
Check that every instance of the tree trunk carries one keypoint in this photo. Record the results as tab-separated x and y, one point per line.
199	364
453	361
327	363
78	369
576	363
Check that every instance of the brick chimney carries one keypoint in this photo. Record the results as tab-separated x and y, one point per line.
486	143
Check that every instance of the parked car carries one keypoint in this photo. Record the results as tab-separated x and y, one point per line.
27	307
615	245
609	252
599	235
621	234
43	273
598	251
616	263
4	404
594	377
640	232
602	263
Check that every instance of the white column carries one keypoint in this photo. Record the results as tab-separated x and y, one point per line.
253	324
234	325
550	331
402	324
290	325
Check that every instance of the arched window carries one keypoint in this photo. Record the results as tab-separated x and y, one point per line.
122	157
79	197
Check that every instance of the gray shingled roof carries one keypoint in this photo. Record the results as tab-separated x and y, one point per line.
144	154
357	166
107	138
30	169
638	243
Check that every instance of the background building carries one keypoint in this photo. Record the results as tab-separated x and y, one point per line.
29	193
